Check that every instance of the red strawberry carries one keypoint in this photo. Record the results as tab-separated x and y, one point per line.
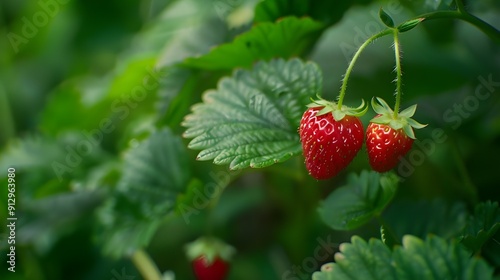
389	136
385	145
330	138
210	258
217	270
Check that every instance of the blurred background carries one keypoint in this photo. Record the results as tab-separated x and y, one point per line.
73	72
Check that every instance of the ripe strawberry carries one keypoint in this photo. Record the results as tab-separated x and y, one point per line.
330	138
385	145
210	258
217	270
389	136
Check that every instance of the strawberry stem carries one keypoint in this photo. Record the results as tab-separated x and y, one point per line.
461	14
146	265
353	61
397	54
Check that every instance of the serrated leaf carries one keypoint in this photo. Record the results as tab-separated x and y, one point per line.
481	226
356	203
387	237
251	120
287	38
122	230
432	258
154	174
385	18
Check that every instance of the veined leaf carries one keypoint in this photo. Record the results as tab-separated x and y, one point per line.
356	203
154	174
287	38
432	258
251	120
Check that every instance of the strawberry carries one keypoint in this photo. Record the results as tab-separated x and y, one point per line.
210	258
204	270
389	136
385	145
331	137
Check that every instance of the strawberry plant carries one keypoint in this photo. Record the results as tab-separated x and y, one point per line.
273	139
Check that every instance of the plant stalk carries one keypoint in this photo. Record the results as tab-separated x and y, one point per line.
353	61
486	28
397	54
146	265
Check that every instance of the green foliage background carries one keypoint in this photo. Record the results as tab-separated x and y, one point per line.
123	75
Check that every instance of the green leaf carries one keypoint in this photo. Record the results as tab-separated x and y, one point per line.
155	173
481	226
56	162
251	120
387	237
287	38
409	112
385	18
47	219
328	12
122	229
432	258
364	197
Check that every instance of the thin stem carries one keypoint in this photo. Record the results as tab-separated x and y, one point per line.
146	265
353	61
486	28
397	54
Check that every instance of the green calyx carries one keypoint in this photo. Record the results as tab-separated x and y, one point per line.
210	248
397	121
338	113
